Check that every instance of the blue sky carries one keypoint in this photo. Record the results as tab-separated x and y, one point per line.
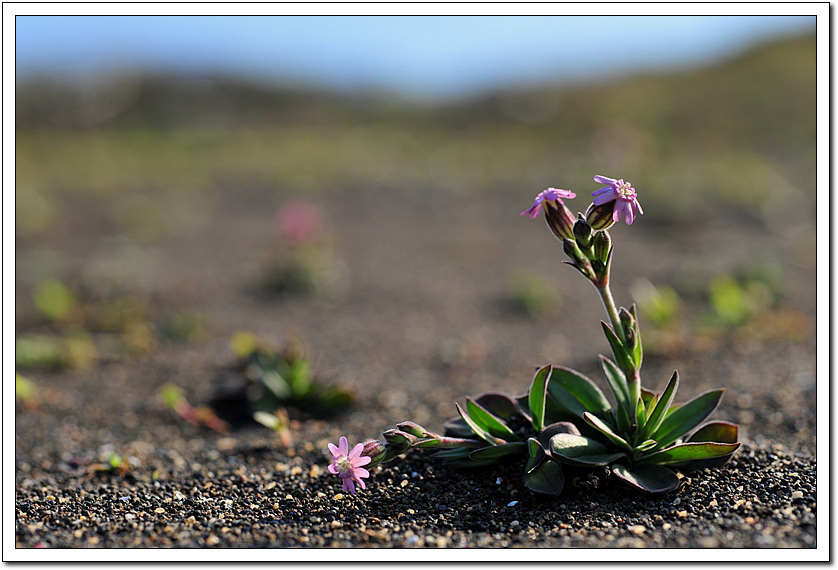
425	56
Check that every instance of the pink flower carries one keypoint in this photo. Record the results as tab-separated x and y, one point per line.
348	465
298	221
620	192
549	194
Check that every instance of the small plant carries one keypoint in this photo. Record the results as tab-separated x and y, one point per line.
564	422
303	261
174	399
266	382
27	392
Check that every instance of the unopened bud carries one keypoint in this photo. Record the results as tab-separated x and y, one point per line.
559	219
415	429
601	217
602	246
399	439
582	232
578	259
375	450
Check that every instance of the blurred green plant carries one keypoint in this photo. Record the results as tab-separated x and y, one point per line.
174	399
27	392
266	380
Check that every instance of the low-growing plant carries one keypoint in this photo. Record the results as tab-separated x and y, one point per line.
263	381
564	423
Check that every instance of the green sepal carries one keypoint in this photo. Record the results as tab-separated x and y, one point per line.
581	451
477	429
617	382
606	430
658	413
638	349
649	478
576	393
685	452
538	396
687	417
546	478
489	422
497	452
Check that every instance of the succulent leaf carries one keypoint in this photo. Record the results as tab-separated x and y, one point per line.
581	451
687	417
546	478
606	430
497	452
685	452
536	453
492	424
661	406
617	348
646	477
575	393
722	432
619	387
500	404
551	430
538	396
477	429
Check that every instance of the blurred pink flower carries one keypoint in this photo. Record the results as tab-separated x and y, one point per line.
298	221
620	192
549	194
348	465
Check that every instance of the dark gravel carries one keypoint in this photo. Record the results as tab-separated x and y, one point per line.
421	325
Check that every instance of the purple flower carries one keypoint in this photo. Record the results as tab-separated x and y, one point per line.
622	193
348	465
549	194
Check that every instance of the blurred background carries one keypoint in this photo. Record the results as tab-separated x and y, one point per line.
181	178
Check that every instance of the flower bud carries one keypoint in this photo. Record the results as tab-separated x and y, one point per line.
559	219
399	439
415	430
602	246
582	232
600	217
578	259
375	450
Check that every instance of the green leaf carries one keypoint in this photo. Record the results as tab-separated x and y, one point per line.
500	404
581	451
606	430
477	429
576	393
489	422
721	432
658	413
457	427
617	348
267	420
684	452
638	351
545	479
687	417
558	427
538	396
653	479
619	387
536	453
499	451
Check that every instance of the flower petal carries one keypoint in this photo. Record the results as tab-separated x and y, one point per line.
359	472
333	469
334	449
604	179
356	452
348	485
344	445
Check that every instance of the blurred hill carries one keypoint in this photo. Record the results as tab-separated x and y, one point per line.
739	134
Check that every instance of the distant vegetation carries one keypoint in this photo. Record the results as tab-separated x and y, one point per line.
738	134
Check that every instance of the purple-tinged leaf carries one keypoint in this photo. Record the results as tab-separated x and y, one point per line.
687	417
499	451
718	431
653	479
685	452
576	393
477	429
581	451
553	429
502	405
606	430
545	479
492	424
658	413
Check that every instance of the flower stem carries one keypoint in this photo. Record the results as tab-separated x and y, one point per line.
608	302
